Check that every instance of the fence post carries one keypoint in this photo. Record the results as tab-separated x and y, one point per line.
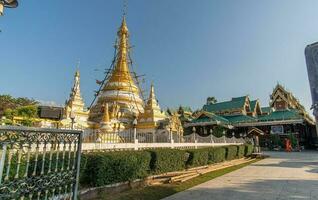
195	144
78	165
136	144
2	161
172	143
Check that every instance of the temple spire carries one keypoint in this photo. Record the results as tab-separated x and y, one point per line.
121	89
152	101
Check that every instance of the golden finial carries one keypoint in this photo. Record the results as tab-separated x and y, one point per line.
123	28
125	8
77	73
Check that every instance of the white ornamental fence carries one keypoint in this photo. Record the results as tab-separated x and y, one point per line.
135	140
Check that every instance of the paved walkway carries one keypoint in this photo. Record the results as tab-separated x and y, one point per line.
282	176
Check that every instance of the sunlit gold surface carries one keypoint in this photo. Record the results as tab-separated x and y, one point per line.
120	88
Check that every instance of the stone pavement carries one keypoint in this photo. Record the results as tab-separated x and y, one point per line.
282	176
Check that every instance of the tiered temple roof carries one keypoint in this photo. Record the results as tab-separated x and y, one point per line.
242	111
75	106
152	115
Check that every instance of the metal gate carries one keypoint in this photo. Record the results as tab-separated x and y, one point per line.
38	163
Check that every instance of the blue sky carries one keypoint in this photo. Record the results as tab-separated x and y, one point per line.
191	49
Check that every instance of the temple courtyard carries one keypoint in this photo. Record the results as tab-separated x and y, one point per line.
281	176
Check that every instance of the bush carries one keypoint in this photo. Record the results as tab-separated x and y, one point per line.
275	141
112	167
293	140
217	154
167	160
249	149
240	151
231	152
198	157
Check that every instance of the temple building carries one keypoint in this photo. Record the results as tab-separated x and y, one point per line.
119	105
153	116
120	91
240	116
75	112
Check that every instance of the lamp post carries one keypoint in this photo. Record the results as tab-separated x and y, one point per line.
72	116
7	4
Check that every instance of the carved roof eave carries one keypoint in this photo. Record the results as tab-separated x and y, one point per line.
267	123
191	124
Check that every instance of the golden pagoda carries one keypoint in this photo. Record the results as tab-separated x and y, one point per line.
120	90
75	107
152	116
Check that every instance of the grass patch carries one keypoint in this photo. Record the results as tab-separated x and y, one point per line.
161	191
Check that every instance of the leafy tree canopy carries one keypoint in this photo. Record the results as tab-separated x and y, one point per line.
211	100
9	102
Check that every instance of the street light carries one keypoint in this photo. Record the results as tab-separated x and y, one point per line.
7	4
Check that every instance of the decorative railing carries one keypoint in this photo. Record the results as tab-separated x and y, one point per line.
161	137
39	163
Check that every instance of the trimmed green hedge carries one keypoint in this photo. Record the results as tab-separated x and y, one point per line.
112	167
231	152
167	160
102	168
217	154
198	157
240	151
249	149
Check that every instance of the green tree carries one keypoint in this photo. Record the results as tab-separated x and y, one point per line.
211	100
218	131
275	141
293	140
9	102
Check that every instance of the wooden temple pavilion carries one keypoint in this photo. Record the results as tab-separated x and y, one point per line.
242	116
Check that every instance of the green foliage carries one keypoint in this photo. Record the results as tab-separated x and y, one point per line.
9	102
102	168
211	100
217	154
231	152
27	112
249	149
293	140
275	141
240	151
112	167
167	160
198	157
218	131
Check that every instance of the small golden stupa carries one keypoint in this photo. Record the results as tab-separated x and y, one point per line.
152	116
